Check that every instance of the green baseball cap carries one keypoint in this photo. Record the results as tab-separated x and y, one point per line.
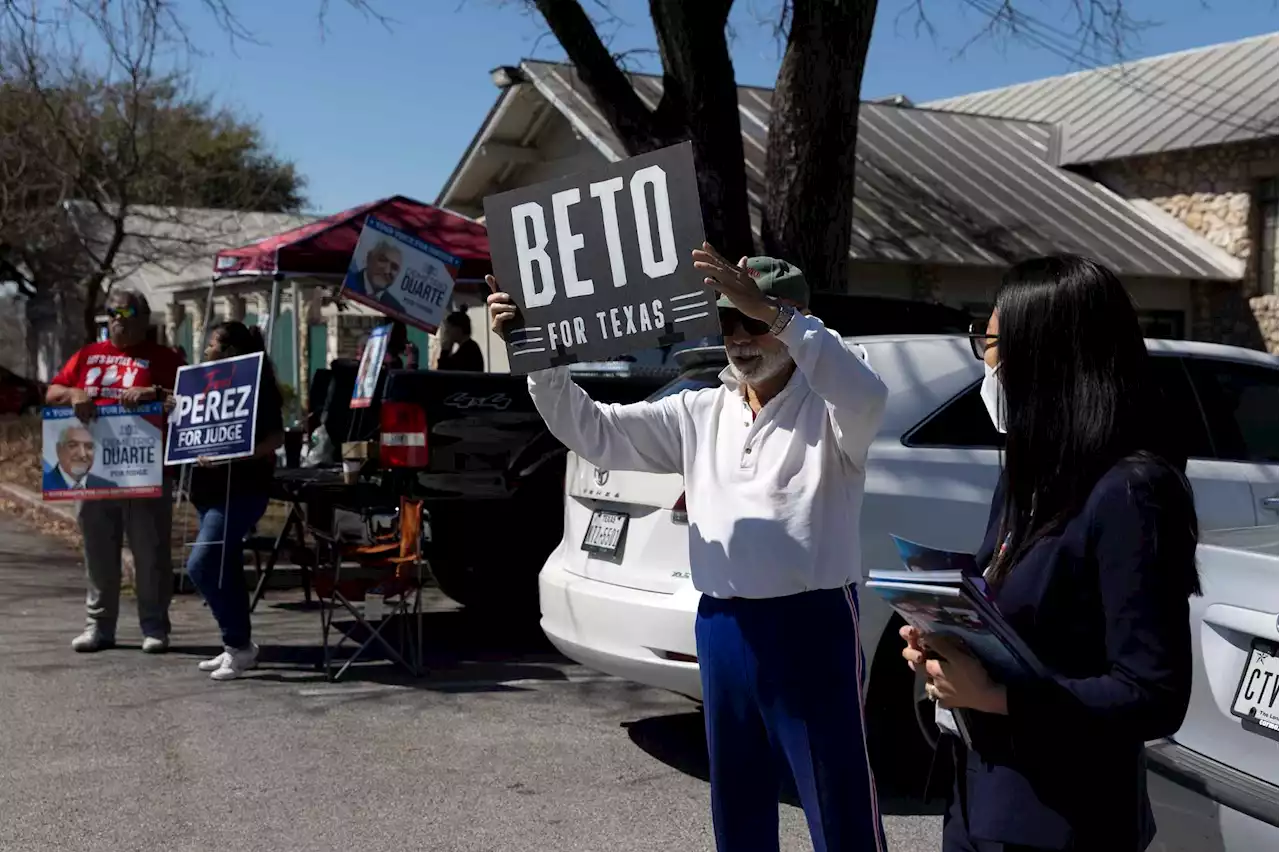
776	279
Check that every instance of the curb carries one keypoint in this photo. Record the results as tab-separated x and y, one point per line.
34	501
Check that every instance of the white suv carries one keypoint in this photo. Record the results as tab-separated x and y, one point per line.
930	476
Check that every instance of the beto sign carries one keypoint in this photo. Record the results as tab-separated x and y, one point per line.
599	263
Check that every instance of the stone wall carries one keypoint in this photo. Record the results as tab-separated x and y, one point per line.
1213	191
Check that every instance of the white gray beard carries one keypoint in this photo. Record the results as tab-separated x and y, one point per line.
763	368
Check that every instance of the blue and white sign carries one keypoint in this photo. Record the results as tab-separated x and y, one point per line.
216	412
401	276
116	456
375	352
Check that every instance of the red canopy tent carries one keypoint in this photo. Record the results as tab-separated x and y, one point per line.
324	247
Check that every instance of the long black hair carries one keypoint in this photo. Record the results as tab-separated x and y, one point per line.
243	339
1078	392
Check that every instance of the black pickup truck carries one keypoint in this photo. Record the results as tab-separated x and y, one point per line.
493	475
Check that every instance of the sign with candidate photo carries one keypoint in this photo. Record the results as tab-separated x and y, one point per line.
375	352
600	264
115	456
401	276
216	411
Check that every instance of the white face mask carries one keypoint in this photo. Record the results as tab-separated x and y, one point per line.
993	398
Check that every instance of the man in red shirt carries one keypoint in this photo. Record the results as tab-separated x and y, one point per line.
126	369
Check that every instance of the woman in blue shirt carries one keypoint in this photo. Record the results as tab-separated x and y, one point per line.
1090	556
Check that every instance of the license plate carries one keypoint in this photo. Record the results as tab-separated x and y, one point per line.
1259	687
605	532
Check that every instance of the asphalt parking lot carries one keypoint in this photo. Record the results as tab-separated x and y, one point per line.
504	745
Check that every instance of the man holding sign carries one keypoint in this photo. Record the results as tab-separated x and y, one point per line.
774	464
125	369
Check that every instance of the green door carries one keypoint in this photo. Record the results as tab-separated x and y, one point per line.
317	347
422	340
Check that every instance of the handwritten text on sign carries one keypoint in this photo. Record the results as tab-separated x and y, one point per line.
599	264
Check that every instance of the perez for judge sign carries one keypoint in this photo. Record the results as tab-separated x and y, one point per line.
599	264
217	404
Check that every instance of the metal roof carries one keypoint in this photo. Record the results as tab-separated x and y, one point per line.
950	189
1208	96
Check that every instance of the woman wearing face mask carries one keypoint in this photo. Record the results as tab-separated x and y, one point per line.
1090	556
230	497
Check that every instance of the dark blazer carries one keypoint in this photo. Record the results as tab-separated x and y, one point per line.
1104	605
53	481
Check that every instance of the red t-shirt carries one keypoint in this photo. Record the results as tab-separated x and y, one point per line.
106	371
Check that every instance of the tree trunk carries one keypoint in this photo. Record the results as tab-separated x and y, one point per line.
813	131
90	286
699	101
700	96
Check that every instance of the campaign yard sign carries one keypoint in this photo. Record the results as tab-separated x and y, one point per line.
400	275
375	351
600	264
216	412
114	457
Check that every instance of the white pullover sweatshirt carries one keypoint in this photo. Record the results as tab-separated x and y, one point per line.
773	502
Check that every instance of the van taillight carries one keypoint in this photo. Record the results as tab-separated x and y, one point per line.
403	438
680	514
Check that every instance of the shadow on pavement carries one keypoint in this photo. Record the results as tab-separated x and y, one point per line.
679	740
463	651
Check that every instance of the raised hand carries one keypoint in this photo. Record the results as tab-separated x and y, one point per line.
734	283
501	309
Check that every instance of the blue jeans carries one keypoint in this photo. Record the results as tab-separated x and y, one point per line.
218	571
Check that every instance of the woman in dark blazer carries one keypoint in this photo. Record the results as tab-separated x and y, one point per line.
1090	557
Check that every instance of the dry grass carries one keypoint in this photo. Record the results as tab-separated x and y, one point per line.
20	439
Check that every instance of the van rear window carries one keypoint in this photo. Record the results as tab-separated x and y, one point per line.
692	380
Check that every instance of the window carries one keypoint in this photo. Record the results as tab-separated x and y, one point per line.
693	380
1265	240
1241	403
1163	325
962	422
1180	410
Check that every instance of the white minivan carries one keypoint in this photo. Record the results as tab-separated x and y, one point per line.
627	608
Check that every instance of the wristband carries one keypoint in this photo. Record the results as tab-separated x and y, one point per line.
785	314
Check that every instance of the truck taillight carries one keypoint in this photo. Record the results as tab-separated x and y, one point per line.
679	513
403	438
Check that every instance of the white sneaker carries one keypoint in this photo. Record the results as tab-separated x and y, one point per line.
93	639
214	664
155	644
236	663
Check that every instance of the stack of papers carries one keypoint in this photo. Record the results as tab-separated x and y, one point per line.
943	593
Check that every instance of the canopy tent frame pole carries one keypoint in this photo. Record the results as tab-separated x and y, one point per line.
273	312
198	345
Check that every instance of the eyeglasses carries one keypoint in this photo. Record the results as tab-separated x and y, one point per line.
122	312
979	340
731	318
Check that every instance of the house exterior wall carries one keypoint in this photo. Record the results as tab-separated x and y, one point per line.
1214	191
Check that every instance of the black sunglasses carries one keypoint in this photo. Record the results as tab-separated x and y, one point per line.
731	318
979	340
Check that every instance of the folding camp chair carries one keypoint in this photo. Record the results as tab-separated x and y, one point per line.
388	580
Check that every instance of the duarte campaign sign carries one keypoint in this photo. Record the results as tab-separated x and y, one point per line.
400	275
216	413
599	264
114	457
